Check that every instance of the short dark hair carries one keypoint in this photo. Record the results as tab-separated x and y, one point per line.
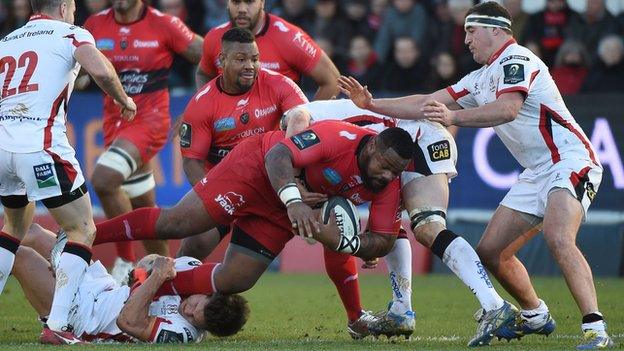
238	35
490	8
226	314
44	5
398	140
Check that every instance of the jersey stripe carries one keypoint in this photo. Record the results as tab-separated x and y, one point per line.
458	95
578	181
56	107
363	120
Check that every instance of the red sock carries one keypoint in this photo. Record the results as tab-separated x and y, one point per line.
342	270
136	225
125	250
190	282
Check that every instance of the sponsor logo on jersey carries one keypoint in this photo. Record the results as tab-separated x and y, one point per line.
225	124
189	335
514	57
186	134
141	44
123	44
590	191
249	132
202	92
105	44
275	66
354	181
439	151
357	199
244	118
169	337
230	201
242	102
305	139
345	134
133	82
304	44
44	175
19	110
332	176
124	30
263	111
281	26
514	73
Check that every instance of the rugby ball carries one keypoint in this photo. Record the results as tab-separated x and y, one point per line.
347	217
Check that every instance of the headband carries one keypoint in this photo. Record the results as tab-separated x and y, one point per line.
487	21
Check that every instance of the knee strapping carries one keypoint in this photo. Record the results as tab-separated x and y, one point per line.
139	184
119	160
425	215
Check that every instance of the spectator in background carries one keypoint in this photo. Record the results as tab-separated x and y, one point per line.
17	15
443	73
607	74
86	8
298	13
457	48
406	18
590	26
519	18
363	64
216	14
571	67
408	71
329	24
377	13
307	84
356	12
441	27
545	30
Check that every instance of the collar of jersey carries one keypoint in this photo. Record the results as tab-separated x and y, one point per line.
500	51
265	27
40	16
220	87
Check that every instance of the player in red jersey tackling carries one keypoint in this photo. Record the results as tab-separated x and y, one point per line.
140	41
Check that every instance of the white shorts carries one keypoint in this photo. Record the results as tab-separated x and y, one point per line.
97	304
436	152
530	193
40	175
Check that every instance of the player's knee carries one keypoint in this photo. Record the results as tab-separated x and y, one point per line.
113	167
559	245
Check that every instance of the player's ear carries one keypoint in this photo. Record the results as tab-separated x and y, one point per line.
221	58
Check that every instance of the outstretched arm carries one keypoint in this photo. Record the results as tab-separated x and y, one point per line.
502	110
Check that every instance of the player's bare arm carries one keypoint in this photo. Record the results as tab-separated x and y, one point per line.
103	73
325	74
279	165
134	318
407	107
202	78
503	110
194	51
193	169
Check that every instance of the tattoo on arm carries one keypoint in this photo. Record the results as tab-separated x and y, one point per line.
278	163
373	245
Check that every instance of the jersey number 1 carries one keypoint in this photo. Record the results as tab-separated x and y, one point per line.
8	64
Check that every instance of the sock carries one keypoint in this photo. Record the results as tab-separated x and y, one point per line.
139	224
199	280
8	248
125	250
341	269
399	261
462	259
536	317
594	321
69	273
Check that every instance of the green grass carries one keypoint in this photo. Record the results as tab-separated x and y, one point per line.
303	312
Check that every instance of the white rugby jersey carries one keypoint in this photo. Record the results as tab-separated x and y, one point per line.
544	131
38	70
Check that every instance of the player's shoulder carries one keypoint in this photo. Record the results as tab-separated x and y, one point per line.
154	15
279	26
98	18
175	329
216	33
207	92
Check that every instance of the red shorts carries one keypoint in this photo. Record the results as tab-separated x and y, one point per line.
148	132
238	189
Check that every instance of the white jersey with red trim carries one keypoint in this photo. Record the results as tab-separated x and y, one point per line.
544	132
170	326
38	70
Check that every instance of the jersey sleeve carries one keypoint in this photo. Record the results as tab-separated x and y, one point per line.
460	92
516	74
174	330
385	214
290	94
300	51
208	59
179	36
75	37
312	145
196	129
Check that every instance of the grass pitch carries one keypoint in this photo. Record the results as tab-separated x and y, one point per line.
303	312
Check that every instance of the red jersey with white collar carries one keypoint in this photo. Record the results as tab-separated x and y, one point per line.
283	47
142	54
215	121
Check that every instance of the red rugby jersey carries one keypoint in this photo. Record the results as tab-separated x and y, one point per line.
142	54
327	153
283	47
215	121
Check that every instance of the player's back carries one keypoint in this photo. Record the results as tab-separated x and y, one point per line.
38	70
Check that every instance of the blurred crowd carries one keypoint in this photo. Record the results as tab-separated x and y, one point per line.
409	46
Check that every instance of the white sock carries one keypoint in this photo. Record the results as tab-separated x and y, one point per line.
462	259
6	265
399	261
69	275
537	316
599	326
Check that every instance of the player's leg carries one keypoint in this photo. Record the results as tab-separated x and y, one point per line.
18	215
562	220
140	188
34	275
